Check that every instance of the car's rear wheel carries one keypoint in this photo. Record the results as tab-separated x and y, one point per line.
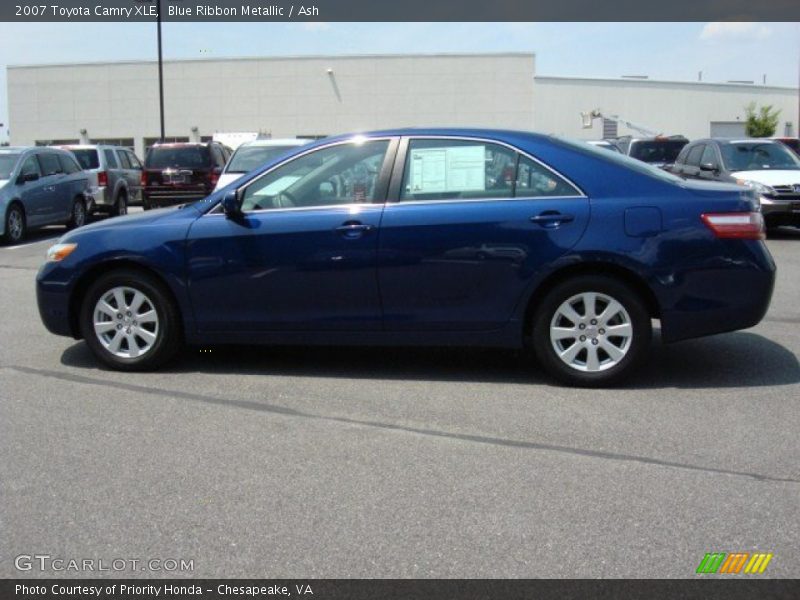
130	322
120	207
591	331
77	216
15	226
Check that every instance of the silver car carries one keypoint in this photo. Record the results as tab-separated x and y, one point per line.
115	177
38	187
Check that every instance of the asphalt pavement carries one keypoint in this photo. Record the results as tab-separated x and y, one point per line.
337	462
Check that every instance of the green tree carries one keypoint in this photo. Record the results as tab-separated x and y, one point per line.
761	123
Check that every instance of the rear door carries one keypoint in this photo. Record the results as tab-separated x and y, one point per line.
467	224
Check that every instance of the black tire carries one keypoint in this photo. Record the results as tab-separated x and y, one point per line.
15	226
120	207
77	214
168	335
636	349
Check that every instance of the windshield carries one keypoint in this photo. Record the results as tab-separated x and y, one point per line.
758	156
7	162
657	151
87	158
620	159
247	158
189	157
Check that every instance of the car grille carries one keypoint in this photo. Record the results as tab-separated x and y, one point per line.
787	192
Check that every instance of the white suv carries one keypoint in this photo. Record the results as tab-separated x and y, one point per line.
251	155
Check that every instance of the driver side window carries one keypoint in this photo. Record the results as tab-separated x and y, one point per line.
342	174
30	167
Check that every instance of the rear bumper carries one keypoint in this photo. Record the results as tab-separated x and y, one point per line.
728	296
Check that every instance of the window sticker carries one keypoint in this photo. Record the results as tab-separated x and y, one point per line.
450	169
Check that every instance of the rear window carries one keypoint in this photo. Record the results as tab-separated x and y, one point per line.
7	162
247	158
189	157
657	151
87	158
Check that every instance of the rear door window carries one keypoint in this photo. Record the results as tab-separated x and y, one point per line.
133	159
123	159
534	179
111	160
445	169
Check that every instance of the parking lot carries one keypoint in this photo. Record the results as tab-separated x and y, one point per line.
337	462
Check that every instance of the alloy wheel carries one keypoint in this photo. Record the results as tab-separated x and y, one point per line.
591	332
126	322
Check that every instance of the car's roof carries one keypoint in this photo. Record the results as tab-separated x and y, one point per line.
14	149
730	140
87	146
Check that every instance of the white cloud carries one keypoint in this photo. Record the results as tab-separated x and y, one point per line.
735	30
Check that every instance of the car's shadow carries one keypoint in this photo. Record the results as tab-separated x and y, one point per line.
740	359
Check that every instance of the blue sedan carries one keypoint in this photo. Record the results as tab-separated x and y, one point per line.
423	237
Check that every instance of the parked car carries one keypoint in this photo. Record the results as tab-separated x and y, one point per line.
791	142
658	151
115	176
254	154
605	145
768	167
181	172
360	240
40	186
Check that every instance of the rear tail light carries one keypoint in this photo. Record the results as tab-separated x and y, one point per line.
143	179
736	225
102	179
213	177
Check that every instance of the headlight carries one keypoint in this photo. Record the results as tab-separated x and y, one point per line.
758	188
59	252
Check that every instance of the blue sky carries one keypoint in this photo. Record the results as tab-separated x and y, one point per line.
676	51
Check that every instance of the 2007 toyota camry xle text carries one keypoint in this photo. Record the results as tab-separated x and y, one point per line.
423	237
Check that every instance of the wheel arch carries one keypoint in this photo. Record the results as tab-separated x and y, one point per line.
619	272
86	279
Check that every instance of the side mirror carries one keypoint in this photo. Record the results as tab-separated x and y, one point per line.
708	167
27	177
231	205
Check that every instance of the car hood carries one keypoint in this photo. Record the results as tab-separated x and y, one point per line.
148	217
770	177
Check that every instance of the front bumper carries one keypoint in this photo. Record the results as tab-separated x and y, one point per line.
784	211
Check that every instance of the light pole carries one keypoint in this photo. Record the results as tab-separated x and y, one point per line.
160	72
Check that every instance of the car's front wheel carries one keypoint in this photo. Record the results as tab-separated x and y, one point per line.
15	224
591	331
129	321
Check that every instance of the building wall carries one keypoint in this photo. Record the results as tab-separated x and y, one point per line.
286	97
670	107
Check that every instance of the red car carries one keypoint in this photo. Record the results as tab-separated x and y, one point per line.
181	172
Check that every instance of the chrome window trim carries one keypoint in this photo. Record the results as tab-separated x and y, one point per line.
410	138
384	138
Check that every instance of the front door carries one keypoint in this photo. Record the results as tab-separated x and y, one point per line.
303	255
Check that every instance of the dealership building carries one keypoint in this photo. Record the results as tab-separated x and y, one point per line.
314	96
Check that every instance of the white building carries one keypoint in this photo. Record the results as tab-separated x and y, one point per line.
318	95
